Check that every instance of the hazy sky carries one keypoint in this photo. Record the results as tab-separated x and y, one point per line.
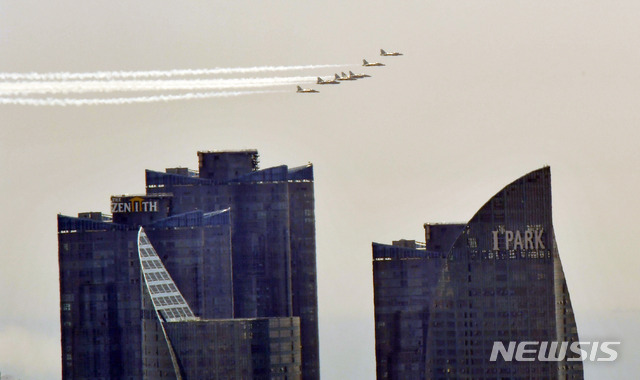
486	92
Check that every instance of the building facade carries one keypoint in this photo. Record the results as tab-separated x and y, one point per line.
179	345
441	306
239	243
254	348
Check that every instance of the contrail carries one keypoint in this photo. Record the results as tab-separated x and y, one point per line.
66	87
108	75
120	101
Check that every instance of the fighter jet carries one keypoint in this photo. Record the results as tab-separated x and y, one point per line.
391	54
306	90
358	76
347	77
365	63
344	77
330	81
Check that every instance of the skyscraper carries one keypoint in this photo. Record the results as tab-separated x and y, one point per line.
440	306
239	243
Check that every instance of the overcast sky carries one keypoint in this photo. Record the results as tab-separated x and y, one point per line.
486	92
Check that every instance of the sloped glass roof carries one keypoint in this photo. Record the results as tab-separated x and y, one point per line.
167	299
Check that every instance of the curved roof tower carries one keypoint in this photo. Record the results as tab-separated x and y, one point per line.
501	280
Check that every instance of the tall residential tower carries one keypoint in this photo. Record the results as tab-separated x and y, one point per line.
238	243
441	306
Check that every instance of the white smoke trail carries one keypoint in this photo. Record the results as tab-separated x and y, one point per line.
108	75
67	87
119	101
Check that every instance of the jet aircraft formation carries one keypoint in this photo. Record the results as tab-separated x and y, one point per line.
348	77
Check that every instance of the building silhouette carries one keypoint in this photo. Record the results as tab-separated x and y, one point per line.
239	245
440	306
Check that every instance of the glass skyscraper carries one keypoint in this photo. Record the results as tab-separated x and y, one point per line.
441	306
239	245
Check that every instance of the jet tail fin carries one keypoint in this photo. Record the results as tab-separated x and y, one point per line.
351	73
364	62
299	88
382	52
320	80
337	76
